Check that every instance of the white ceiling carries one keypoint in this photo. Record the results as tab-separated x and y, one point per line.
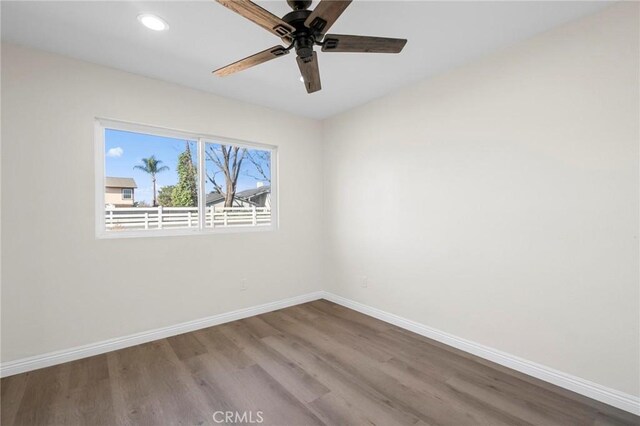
204	35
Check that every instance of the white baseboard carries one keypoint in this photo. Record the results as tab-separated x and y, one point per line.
589	389
58	357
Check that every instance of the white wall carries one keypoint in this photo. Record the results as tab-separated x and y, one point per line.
499	202
60	286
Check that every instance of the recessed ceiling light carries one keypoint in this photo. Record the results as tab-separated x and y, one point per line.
153	22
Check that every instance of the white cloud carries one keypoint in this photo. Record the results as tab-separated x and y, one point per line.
115	152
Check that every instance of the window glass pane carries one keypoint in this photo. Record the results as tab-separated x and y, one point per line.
238	186
151	182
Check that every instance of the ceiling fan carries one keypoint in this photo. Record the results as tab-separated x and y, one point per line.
301	29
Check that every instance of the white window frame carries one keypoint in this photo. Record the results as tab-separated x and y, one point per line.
101	124
130	191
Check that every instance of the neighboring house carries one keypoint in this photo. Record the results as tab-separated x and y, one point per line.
259	197
119	191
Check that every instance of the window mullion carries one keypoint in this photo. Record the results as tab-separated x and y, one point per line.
202	193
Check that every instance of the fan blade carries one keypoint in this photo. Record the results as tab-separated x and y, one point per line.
260	16
365	44
310	73
251	61
325	14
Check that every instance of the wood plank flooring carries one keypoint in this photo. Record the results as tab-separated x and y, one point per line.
312	364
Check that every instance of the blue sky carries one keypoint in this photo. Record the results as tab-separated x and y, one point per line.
123	150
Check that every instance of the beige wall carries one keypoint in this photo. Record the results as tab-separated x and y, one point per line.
59	286
114	196
499	202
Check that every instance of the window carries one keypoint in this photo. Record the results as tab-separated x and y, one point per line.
236	190
249	202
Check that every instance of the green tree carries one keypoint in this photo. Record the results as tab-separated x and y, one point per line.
152	166
185	192
165	196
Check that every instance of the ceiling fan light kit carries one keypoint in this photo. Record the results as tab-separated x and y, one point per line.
302	29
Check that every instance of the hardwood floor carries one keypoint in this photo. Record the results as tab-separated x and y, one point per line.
312	364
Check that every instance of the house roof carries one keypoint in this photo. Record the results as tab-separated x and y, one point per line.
214	197
248	194
120	182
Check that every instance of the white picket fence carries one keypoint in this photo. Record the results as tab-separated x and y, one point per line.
136	218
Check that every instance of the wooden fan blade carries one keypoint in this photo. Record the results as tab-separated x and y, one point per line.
260	16
325	14
310	73
251	61
364	44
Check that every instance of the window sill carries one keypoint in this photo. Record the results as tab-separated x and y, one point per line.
106	235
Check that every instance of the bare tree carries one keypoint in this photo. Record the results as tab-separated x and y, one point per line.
261	160
229	160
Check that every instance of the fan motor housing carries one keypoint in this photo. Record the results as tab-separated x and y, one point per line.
303	38
296	19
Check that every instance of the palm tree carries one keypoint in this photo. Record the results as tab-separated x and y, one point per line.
152	166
